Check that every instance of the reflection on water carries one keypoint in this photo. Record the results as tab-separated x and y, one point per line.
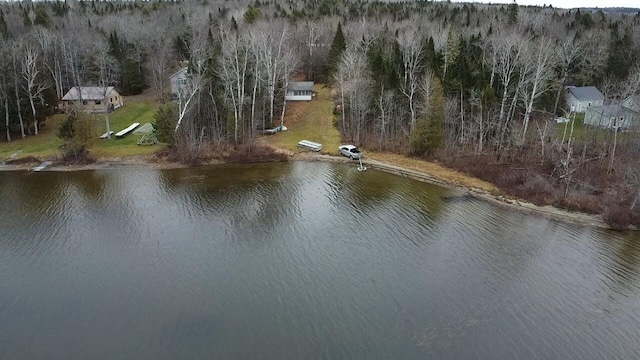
301	260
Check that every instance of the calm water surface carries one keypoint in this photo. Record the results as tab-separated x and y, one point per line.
300	261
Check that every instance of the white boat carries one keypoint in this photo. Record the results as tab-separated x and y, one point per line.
310	145
104	136
124	132
42	166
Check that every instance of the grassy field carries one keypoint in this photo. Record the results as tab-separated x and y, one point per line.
311	121
47	145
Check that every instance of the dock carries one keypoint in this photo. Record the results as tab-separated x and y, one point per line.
126	131
42	166
105	135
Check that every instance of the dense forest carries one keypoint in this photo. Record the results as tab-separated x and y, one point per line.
477	87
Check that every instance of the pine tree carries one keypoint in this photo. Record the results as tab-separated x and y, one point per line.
429	133
513	13
338	46
4	29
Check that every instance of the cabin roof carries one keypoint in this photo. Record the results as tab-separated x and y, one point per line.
88	93
300	86
585	93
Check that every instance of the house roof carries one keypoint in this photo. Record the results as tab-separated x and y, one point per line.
585	93
179	72
613	110
635	99
300	85
87	92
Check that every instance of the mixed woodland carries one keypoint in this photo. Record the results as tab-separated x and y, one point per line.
476	87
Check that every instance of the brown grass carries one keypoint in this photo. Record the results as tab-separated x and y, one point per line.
436	170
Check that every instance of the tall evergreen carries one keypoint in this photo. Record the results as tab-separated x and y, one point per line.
338	46
429	133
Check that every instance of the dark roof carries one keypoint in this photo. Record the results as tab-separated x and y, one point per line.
613	110
300	85
179	72
88	93
585	93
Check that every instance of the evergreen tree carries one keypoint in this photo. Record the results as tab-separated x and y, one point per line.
512	14
4	29
166	118
429	132
338	46
251	15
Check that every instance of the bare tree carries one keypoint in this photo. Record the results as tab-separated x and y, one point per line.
107	72
411	45
543	60
14	60
570	53
232	71
199	55
510	50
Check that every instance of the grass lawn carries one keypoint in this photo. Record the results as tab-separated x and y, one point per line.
47	145
139	110
311	121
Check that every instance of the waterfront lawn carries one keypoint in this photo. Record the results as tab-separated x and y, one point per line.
47	145
141	111
311	121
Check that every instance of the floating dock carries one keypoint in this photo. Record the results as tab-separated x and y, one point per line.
126	131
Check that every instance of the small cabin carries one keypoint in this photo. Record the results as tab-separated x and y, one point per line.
299	91
178	82
94	99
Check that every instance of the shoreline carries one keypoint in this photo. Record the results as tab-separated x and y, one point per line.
550	212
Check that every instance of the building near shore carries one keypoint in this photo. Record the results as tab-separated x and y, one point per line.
95	99
581	98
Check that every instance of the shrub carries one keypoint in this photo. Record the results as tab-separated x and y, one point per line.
617	216
77	131
166	119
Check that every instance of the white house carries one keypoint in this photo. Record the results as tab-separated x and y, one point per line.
581	98
299	91
178	82
632	102
612	116
92	98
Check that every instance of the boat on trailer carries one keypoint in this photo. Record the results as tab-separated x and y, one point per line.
310	145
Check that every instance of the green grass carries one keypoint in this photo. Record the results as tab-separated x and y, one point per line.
47	145
141	111
580	130
311	121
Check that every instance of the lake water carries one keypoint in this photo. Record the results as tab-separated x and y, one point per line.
300	261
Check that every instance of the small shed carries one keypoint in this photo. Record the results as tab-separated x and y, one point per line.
299	91
92	98
178	81
612	116
581	98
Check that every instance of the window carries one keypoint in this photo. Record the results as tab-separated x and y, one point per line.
110	100
84	102
98	102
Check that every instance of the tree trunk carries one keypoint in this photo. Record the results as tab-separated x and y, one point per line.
33	113
6	117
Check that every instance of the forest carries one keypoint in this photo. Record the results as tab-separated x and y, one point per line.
473	86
